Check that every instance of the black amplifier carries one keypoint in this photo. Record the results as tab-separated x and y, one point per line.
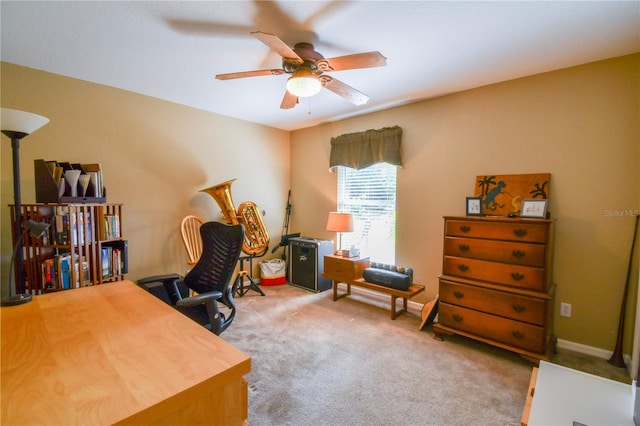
306	263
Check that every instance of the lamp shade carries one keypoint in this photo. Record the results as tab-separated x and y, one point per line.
14	121
303	84
340	222
36	229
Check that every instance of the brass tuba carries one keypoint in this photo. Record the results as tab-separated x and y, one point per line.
256	241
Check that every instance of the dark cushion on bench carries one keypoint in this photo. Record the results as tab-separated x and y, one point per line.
387	278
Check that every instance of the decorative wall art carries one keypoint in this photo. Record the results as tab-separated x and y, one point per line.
502	195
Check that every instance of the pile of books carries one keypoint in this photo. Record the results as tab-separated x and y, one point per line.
57	275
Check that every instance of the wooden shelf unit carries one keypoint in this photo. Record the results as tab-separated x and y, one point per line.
80	230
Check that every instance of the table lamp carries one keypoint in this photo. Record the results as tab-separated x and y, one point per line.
36	230
16	125
340	222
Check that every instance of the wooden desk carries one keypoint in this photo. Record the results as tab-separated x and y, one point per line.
562	396
114	354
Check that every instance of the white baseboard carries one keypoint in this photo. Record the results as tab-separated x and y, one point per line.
589	350
584	349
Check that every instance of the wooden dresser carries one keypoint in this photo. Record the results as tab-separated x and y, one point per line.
496	284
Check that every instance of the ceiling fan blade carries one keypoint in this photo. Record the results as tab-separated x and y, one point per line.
243	74
289	101
344	90
278	45
358	60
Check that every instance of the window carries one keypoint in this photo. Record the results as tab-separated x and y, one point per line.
369	194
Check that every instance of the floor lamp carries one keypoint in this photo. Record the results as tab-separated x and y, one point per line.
339	222
16	125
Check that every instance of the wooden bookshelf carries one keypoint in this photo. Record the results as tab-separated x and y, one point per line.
83	246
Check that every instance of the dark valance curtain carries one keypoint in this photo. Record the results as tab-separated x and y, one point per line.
363	149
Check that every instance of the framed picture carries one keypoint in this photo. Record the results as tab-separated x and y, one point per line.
534	208
474	206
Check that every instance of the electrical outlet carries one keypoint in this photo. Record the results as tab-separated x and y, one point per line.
565	309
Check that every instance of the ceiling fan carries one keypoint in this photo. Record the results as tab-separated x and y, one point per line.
308	70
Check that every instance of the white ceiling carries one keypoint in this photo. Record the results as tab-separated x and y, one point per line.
172	50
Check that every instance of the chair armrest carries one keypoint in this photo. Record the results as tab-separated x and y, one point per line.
209	303
159	278
199	299
174	287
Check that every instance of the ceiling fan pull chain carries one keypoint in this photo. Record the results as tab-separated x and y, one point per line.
309	106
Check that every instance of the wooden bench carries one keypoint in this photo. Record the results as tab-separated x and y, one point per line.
393	292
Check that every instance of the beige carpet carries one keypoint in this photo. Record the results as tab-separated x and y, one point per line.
320	362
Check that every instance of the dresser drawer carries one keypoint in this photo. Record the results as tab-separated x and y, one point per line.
509	231
499	251
342	268
510	332
500	273
509	305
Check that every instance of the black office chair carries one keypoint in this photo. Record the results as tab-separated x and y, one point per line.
211	278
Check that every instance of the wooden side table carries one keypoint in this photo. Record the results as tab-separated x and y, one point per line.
343	269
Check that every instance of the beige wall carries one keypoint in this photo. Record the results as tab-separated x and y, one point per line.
156	156
580	124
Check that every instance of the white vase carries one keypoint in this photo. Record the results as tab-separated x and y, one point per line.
72	176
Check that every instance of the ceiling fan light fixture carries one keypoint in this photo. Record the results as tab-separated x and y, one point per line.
304	84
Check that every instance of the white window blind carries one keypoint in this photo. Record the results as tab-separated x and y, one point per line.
369	194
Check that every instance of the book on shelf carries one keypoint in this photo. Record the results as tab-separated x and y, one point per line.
114	259
62	268
57	275
47	236
82	275
70	227
61	228
107	261
48	274
111	226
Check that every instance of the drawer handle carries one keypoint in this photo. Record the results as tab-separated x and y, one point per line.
465	228
464	247
519	254
517	276
518	308
458	295
517	334
520	232
457	318
463	268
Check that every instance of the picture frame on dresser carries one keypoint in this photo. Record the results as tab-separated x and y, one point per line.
534	208
474	206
